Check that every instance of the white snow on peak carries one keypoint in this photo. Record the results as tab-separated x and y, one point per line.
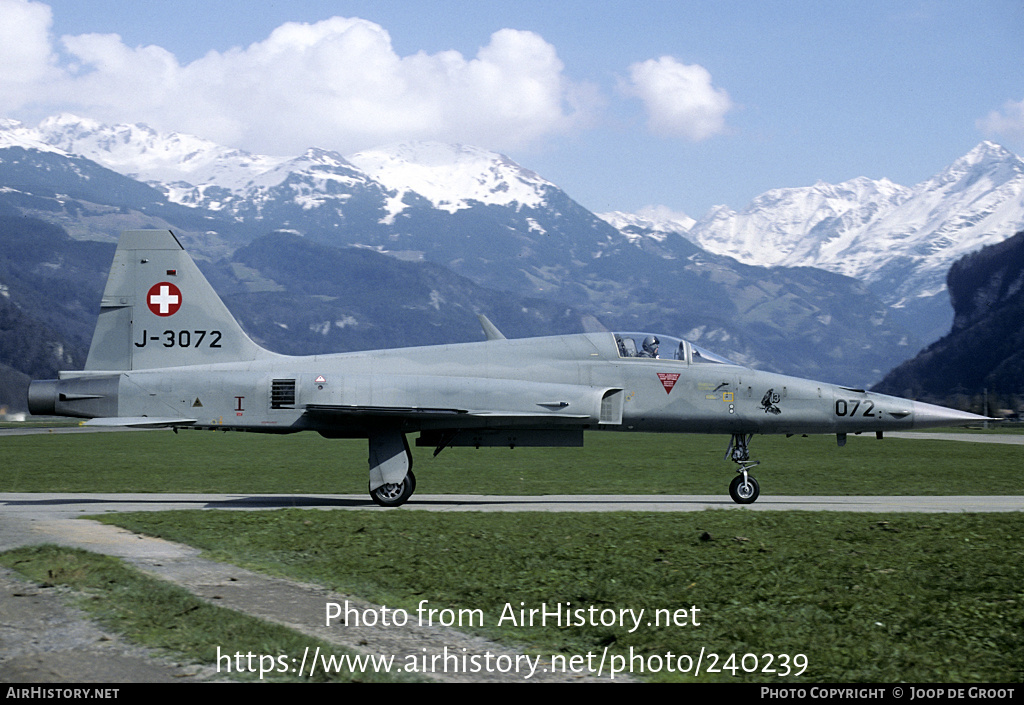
161	158
790	226
187	167
14	134
870	229
451	176
656	219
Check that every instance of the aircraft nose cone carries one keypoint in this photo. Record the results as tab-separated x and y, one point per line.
930	415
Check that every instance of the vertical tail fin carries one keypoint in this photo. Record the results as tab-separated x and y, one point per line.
158	310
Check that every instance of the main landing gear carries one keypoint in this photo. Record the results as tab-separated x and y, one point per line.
391	479
744	488
394	494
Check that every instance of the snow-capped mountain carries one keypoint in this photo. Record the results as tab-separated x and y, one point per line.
198	173
152	157
657	224
900	240
661	233
15	135
451	177
977	201
791	226
463	207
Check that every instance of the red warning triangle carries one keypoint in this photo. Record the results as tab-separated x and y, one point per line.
668	380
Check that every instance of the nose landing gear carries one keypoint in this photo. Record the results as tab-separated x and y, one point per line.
744	488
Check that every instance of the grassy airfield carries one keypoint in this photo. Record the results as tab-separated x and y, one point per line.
610	463
865	598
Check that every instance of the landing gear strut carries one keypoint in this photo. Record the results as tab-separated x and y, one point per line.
744	488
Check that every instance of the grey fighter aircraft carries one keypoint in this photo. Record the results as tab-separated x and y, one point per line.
166	352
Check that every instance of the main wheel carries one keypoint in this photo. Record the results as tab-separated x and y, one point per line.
394	494
744	492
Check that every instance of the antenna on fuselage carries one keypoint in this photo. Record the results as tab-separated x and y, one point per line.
490	330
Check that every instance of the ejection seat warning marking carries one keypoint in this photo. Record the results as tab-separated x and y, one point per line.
164	299
668	380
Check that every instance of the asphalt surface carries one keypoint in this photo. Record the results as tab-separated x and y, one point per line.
58	508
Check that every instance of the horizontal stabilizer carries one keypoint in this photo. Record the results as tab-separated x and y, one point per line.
139	422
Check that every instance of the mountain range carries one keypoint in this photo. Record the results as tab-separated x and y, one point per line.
984	351
842	286
899	240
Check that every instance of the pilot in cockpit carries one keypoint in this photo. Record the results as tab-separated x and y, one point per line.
650	347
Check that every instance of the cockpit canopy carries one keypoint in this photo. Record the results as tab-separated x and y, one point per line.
665	347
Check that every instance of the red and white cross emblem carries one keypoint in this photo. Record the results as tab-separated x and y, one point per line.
164	299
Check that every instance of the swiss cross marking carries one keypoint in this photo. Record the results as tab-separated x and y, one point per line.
164	299
668	380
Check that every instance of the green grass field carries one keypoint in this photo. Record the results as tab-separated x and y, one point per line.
865	598
161	461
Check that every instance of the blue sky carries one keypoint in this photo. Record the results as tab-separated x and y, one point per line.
624	104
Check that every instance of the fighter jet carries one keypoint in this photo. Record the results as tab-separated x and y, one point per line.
166	352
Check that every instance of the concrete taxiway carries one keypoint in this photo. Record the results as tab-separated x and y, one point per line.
61	506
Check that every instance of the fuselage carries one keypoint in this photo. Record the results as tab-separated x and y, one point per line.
580	381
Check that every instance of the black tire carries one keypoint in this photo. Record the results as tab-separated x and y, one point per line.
744	493
394	495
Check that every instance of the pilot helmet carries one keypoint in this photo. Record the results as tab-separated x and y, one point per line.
651	345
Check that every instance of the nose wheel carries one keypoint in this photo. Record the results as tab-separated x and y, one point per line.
744	488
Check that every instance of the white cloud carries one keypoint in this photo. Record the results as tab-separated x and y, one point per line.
26	57
1008	123
337	83
680	99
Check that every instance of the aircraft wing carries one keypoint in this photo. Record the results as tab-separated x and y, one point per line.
432	414
381	411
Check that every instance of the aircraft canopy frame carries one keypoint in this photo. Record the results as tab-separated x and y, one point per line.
665	347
